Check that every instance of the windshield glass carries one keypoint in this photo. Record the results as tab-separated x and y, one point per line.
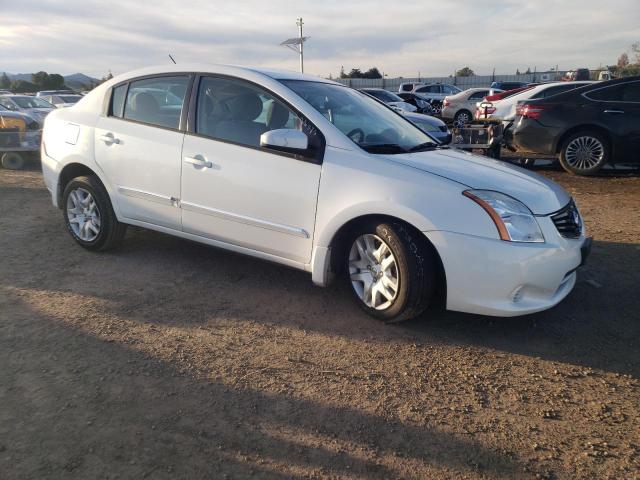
69	98
31	102
384	95
368	123
7	103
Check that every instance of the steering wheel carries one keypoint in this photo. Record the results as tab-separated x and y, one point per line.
354	132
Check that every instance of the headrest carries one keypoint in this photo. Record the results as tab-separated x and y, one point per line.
245	107
277	115
143	102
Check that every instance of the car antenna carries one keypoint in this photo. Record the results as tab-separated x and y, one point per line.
172	59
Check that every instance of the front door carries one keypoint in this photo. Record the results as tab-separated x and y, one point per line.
234	190
138	146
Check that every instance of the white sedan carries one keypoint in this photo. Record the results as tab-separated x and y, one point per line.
314	175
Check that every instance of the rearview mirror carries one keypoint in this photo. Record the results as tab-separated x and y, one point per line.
285	139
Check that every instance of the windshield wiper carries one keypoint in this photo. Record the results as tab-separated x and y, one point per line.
383	148
423	146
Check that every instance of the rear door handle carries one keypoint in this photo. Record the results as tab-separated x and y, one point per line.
614	111
198	162
109	138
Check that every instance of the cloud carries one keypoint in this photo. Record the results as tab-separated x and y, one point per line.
433	37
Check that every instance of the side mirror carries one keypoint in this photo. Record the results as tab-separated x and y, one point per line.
285	139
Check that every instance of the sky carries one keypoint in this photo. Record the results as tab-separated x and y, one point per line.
402	38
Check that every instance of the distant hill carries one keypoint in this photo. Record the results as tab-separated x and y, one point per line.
75	80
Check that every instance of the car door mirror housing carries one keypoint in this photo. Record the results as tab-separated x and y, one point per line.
285	139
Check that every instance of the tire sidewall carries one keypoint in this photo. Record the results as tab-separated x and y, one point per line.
87	184
456	118
591	171
13	161
403	252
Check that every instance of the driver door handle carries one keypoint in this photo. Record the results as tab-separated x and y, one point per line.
198	162
614	111
109	138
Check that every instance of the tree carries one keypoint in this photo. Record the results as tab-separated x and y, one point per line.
372	73
40	79
342	74
517	71
22	86
635	48
355	73
623	60
528	72
4	81
55	82
465	72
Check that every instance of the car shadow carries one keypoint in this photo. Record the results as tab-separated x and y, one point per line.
77	402
168	281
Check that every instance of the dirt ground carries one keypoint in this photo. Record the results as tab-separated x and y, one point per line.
168	359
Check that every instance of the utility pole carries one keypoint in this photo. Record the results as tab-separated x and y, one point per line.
299	23
296	43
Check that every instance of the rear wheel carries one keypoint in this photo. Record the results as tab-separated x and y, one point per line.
390	269
89	216
463	117
13	161
584	153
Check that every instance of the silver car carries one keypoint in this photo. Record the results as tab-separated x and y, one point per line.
35	107
460	107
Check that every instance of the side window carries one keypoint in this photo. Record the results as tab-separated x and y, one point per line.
156	101
117	101
239	112
478	95
435	89
626	92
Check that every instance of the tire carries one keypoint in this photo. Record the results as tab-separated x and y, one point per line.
85	201
13	161
462	117
412	270
585	152
436	106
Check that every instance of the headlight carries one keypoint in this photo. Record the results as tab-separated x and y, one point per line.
514	221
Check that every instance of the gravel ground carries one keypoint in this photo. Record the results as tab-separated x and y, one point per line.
168	359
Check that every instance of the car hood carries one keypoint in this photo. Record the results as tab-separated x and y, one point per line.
540	194
403	105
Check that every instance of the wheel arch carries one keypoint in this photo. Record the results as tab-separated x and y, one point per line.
338	245
71	171
585	126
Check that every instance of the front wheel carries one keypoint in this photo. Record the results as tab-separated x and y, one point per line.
391	270
584	153
89	216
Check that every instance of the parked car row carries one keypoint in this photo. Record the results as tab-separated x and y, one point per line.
587	127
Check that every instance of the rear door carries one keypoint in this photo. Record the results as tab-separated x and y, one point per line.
618	108
138	146
238	192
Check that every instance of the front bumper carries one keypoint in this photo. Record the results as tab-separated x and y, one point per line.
493	277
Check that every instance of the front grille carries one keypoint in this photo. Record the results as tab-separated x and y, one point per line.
568	221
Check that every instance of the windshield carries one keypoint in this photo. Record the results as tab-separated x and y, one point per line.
8	103
31	102
384	95
368	123
70	98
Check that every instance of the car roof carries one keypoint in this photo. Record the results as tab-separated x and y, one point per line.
276	74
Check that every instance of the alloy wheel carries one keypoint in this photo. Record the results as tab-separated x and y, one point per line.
373	272
584	153
83	215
